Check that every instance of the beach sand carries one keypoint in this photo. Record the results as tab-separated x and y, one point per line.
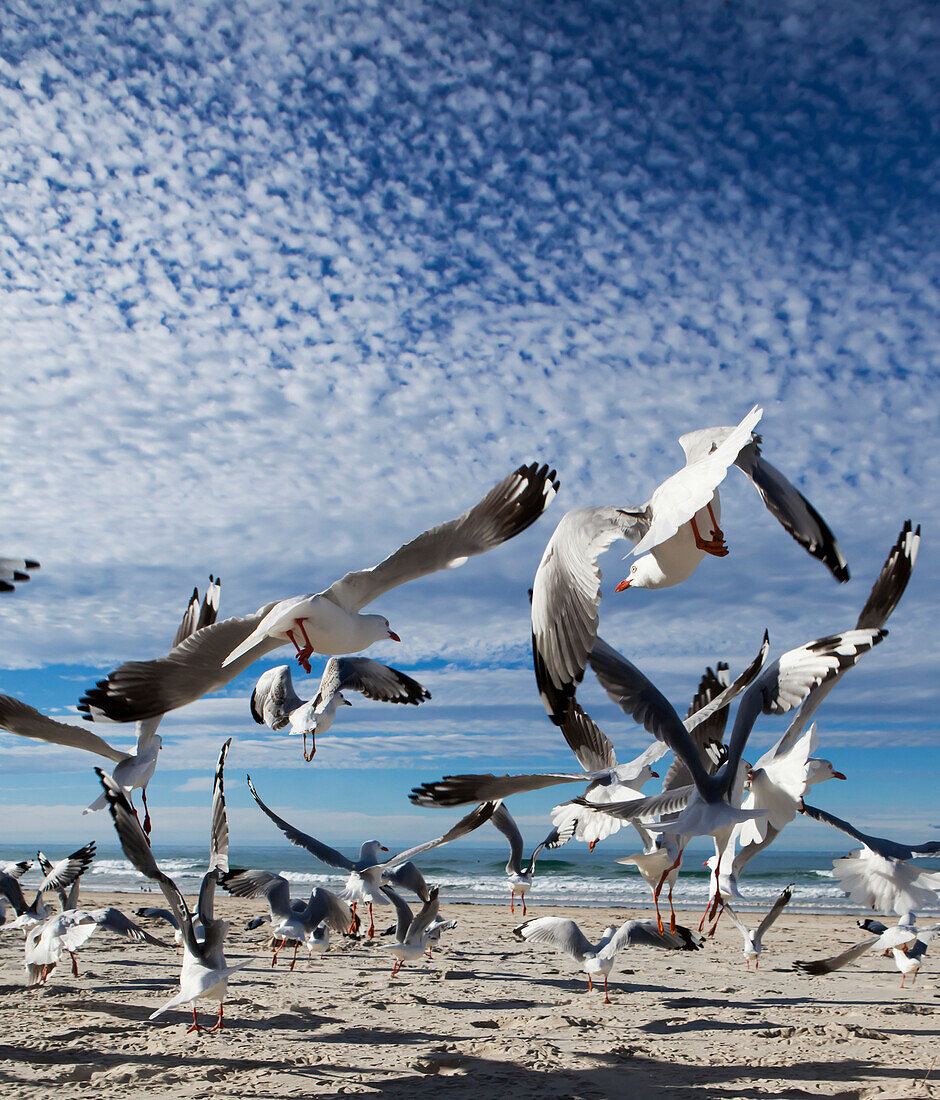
488	1016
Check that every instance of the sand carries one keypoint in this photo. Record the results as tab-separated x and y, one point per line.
486	1017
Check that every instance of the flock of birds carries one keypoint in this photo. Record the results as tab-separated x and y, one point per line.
709	789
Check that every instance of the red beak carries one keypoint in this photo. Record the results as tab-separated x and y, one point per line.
394	638
623	586
838	775
382	848
654	775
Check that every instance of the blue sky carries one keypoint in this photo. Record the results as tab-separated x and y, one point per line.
283	285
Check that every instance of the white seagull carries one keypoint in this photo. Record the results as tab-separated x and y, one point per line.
520	879
412	937
598	959
205	972
292	923
753	938
897	935
60	875
706	806
274	702
783	799
566	590
879	875
215	655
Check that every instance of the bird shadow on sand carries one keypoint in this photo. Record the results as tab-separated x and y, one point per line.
623	1076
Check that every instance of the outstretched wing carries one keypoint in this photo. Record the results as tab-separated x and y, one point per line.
566	594
323	852
558	932
145	689
507	509
792	510
373	679
473	820
137	849
26	721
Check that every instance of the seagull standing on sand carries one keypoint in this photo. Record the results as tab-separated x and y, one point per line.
411	932
520	879
275	703
897	936
598	959
204	972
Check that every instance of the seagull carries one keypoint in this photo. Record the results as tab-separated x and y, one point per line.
291	926
705	807
411	932
204	972
61	874
132	770
907	958
15	570
777	783
368	873
879	875
890	939
566	590
16	870
661	857
673	546
207	661
752	940
884	597
275	703
520	881
595	752
67	932
595	959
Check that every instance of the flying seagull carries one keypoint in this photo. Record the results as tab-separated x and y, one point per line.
274	702
215	655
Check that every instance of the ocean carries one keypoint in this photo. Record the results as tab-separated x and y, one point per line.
571	876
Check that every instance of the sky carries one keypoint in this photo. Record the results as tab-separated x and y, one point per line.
284	284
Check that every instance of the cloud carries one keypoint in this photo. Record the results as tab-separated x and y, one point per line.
280	292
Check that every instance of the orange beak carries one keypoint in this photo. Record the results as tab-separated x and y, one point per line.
394	636
623	586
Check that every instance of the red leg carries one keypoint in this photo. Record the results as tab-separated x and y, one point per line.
715	545
371	922
606	997
672	912
590	985
194	1026
74	964
294	959
352	927
218	1025
277	949
512	901
523	904
396	967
